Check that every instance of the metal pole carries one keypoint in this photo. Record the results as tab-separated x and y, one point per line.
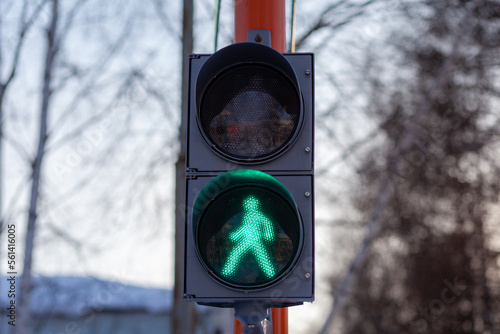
280	320
262	15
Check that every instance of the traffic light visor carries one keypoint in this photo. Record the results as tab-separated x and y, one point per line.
247	229
248	103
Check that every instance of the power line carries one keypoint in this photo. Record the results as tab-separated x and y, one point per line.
291	48
217	17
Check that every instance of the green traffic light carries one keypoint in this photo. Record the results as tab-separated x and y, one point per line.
250	237
247	228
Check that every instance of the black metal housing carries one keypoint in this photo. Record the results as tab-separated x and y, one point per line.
203	156
292	165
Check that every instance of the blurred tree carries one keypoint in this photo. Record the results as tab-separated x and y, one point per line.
431	266
87	85
52	48
9	60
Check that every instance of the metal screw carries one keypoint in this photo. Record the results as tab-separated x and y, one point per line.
308	72
258	39
308	275
307	194
308	149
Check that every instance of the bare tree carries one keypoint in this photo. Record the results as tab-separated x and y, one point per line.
9	67
52	47
431	131
77	84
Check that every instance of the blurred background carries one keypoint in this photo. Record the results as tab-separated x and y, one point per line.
407	163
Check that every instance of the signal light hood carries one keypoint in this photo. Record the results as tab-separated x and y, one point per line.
242	53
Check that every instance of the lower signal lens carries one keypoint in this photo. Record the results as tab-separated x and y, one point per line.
248	232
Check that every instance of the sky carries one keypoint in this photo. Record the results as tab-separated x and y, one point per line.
107	194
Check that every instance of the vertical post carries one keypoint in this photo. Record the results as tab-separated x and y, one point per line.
263	15
280	320
183	313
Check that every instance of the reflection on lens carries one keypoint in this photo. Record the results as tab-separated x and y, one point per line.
253	123
251	112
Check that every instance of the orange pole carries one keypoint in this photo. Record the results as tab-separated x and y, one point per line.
280	320
237	326
262	15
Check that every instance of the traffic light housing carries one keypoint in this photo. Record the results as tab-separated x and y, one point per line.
249	178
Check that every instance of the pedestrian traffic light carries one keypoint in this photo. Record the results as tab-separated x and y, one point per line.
248	233
249	178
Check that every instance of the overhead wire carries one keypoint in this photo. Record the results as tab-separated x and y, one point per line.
291	48
217	17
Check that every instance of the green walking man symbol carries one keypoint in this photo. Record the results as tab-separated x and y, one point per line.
249	238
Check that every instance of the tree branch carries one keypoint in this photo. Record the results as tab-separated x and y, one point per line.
25	26
323	21
94	76
406	143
